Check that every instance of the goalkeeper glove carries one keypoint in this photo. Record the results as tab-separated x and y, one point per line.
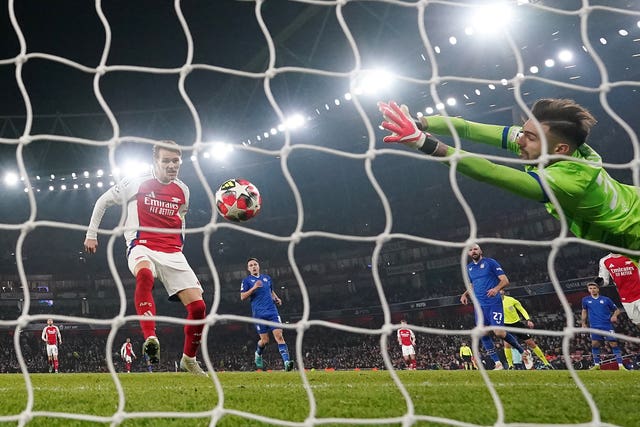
404	129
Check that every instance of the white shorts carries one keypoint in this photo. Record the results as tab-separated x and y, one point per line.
408	350
633	310
127	359
172	269
52	350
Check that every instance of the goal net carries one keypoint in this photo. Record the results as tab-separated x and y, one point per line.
357	234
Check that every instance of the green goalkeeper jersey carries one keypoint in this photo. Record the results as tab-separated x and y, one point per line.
596	206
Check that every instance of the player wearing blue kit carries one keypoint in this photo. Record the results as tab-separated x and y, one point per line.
601	313
487	280
259	288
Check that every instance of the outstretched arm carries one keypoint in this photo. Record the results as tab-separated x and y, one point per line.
499	136
404	130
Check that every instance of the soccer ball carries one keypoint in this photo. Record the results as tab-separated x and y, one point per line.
238	200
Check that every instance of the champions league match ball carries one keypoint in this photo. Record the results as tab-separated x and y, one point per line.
238	200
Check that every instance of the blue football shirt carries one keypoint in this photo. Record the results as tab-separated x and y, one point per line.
484	276
261	301
599	310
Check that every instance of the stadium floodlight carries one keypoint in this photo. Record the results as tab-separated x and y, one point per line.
273	131
99	173
11	178
623	32
451	102
453	40
534	69
347	96
468	31
603	40
549	63
294	121
220	150
63	187
75	186
133	168
565	55
85	174
74	175
99	184
428	110
370	82
491	18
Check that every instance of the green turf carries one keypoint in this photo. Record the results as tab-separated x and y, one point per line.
538	397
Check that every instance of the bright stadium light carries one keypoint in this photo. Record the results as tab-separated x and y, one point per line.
133	168
549	63
428	110
11	178
534	69
565	55
372	81
295	121
451	102
491	18
220	150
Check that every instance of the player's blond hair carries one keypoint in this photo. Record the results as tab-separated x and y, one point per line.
174	148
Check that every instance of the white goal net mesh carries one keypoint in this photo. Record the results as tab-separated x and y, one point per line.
284	93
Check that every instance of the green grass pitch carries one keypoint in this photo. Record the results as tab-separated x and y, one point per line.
538	397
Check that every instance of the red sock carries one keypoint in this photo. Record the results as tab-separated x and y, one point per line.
55	364
143	299
192	333
128	367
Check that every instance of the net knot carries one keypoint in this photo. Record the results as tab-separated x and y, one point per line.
24	140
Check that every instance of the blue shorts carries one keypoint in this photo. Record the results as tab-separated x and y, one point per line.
271	317
598	337
493	314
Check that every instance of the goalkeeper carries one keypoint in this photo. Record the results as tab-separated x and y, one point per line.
596	206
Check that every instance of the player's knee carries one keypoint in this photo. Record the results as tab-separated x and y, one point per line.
197	309
144	278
